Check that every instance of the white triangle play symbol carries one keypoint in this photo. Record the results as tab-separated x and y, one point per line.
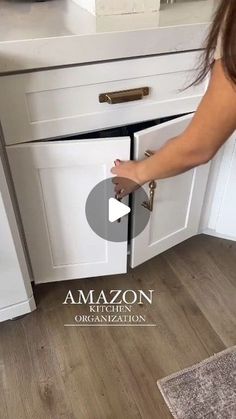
117	210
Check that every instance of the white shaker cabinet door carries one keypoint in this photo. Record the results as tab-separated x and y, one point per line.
177	201
16	296
52	181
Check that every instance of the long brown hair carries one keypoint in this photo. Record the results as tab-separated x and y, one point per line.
224	24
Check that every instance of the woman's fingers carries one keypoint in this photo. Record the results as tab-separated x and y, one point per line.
117	188
126	180
115	169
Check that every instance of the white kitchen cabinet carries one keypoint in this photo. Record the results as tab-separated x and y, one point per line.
226	221
53	178
218	217
52	182
16	295
177	201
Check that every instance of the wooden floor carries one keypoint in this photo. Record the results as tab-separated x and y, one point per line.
51	371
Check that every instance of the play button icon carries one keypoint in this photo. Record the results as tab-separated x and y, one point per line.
117	210
107	216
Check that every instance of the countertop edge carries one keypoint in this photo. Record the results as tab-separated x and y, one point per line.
45	53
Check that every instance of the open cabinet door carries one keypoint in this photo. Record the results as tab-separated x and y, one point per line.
177	201
53	181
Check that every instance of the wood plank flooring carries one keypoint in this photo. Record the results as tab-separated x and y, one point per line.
48	371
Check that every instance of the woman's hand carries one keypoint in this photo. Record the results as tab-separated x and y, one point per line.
128	177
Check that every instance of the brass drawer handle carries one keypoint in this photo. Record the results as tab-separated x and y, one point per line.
118	199
152	186
124	95
148	153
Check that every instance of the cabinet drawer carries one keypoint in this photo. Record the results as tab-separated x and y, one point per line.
64	101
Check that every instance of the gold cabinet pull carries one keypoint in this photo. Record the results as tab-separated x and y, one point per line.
149	204
148	153
152	186
124	95
118	199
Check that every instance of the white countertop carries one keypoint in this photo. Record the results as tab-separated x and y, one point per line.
36	35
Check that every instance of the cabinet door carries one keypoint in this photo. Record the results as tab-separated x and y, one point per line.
177	201
220	209
52	182
16	296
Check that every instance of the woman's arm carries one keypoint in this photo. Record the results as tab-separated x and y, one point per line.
213	123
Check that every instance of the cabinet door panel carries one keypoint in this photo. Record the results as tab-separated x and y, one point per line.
178	200
220	209
226	223
52	182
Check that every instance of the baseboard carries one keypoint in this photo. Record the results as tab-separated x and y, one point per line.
16	310
210	232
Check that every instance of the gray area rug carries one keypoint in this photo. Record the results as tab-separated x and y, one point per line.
206	390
